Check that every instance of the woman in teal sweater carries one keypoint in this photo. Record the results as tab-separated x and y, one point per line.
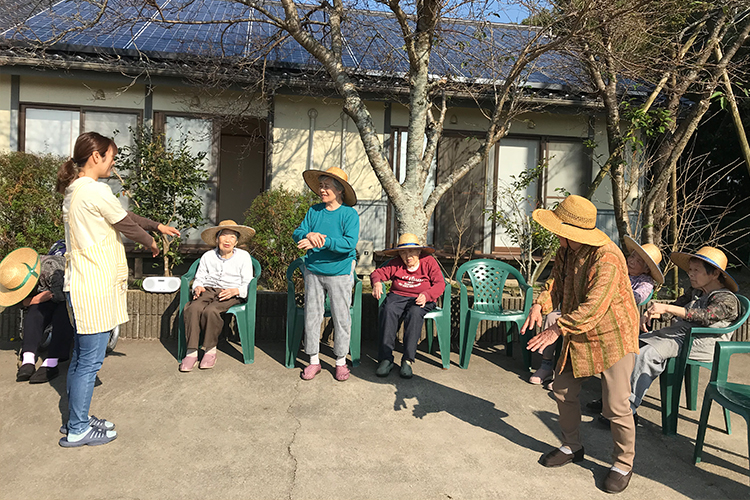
329	233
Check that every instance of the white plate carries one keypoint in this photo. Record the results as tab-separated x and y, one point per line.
161	284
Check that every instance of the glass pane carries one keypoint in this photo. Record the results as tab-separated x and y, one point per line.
51	131
514	157
117	126
568	169
198	133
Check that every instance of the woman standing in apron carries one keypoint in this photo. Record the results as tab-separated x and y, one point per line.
96	275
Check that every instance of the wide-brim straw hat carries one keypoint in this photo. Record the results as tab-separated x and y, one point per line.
713	256
312	179
209	235
408	241
575	219
650	254
19	273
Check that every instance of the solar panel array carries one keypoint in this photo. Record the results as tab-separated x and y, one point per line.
373	41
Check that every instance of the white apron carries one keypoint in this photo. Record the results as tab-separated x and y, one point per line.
98	279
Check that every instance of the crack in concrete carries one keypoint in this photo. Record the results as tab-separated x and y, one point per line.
294	437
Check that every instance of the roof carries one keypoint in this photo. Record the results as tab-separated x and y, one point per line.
373	43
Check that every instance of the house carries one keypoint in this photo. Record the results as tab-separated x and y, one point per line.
109	77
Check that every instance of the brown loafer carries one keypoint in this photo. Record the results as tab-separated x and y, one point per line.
616	482
557	458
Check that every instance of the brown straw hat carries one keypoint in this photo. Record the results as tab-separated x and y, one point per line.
209	235
713	256
19	272
650	254
574	219
408	241
311	178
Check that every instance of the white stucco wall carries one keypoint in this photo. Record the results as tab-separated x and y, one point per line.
5	113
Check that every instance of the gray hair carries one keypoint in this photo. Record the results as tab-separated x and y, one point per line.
336	184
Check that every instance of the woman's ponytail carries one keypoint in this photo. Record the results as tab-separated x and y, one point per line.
86	144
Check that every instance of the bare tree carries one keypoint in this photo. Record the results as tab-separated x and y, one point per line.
425	53
656	68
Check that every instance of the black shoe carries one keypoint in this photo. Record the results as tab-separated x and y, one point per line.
616	482
25	371
605	421
44	374
595	406
384	368
406	371
557	458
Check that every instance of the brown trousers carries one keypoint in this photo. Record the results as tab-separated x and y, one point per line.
616	407
204	313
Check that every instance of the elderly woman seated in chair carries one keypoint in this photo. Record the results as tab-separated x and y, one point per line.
220	282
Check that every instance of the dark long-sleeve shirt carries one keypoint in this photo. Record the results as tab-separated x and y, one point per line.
134	227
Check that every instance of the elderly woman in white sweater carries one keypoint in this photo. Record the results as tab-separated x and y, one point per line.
220	282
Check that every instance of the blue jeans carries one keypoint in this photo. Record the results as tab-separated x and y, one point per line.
88	354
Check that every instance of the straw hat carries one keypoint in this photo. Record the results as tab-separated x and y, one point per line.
713	256
408	241
650	254
19	272
209	235
311	178
574	219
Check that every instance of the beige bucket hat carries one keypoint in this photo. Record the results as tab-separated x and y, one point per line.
311	178
713	256
575	219
650	254
245	232
19	273
408	241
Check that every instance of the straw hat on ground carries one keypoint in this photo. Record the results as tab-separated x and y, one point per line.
713	256
245	232
574	219
650	254
408	241
19	273
311	178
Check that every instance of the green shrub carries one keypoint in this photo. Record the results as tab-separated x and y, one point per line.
274	215
30	209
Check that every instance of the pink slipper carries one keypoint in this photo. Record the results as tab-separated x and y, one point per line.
188	363
310	371
342	373
544	373
208	361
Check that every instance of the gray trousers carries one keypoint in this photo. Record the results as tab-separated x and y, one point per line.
339	289
657	348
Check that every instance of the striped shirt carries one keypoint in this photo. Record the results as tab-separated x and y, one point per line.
599	319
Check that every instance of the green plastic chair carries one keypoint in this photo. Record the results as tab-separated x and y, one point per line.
488	280
441	315
670	381
295	318
731	396
244	313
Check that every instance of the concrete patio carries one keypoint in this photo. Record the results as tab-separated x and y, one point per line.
259	431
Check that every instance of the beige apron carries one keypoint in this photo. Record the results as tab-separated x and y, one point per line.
98	280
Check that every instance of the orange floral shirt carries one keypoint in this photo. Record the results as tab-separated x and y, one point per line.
600	319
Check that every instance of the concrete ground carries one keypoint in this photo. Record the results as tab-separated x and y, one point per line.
259	431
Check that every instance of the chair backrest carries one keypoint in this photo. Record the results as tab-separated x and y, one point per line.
722	352
744	313
488	278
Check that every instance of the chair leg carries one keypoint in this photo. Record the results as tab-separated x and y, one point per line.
444	344
467	343
429	330
293	339
181	340
523	342
355	343
727	421
247	337
508	338
692	374
668	408
703	423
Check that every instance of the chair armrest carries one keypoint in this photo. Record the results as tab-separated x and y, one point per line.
722	352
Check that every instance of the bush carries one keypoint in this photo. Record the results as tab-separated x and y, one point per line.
274	215
30	209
